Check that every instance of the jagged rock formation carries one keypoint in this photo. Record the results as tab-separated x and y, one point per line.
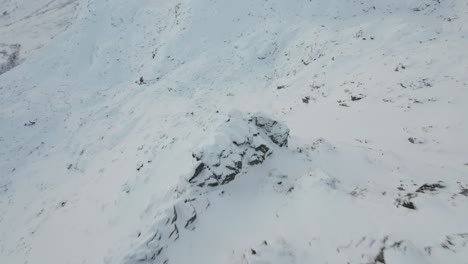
243	141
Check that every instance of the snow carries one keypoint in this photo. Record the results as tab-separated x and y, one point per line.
30	25
111	107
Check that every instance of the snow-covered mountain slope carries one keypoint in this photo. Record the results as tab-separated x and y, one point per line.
221	131
26	26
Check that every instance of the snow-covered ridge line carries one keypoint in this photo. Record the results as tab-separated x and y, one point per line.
244	140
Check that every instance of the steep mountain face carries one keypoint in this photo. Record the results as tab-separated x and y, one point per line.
219	131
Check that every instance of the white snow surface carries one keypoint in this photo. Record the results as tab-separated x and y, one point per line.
26	26
350	120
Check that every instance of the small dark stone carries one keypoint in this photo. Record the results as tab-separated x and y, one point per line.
30	123
174	218
282	141
357	97
409	205
197	157
464	192
253	251
255	162
198	170
380	257
230	168
213	184
428	250
262	148
158	252
229	178
191	219
426	83
430	187
139	167
175	233
189	200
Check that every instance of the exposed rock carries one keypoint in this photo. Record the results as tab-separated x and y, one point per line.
9	56
430	187
243	140
30	123
357	97
380	258
414	140
407	203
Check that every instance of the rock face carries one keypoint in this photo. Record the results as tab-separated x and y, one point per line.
9	56
242	141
